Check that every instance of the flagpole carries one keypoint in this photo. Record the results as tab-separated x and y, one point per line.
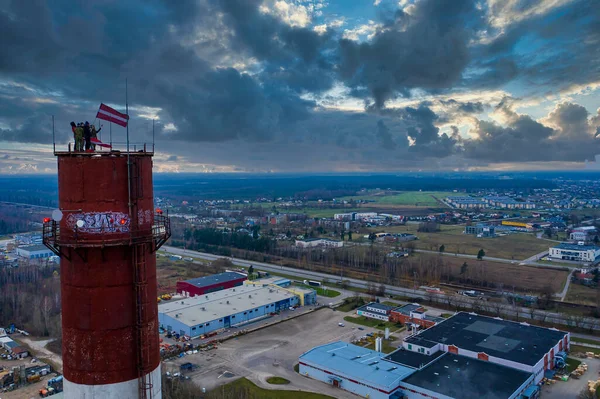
110	133
153	135
128	161
53	137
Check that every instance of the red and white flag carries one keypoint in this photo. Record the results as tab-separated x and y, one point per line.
97	142
112	115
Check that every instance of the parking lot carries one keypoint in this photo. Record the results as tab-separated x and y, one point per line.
272	351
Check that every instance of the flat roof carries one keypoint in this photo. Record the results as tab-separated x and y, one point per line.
34	248
575	247
417	340
406	309
518	342
358	363
377	305
464	377
240	299
206	281
412	359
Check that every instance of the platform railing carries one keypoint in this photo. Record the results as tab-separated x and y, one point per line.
54	237
116	148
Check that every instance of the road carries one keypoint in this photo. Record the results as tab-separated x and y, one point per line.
449	300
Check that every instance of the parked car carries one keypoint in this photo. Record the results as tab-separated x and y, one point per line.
341	324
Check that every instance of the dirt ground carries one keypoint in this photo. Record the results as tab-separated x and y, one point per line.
581	294
518	246
169	272
508	275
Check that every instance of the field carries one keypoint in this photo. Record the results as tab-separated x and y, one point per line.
378	324
244	388
326	292
505	275
572	364
412	198
583	349
169	272
581	294
518	246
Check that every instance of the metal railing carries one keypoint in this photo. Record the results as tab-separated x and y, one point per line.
116	148
54	237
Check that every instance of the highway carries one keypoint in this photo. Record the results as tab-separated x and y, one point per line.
452	301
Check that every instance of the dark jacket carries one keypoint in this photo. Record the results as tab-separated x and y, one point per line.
87	132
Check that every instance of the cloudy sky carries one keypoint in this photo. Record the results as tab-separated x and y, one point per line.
307	85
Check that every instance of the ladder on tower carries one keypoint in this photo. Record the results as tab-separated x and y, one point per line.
143	355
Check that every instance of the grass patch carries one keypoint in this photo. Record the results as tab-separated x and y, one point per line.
277	381
297	368
386	347
412	198
390	303
446	315
585	341
584	349
326	292
578	293
244	388
351	304
378	324
572	364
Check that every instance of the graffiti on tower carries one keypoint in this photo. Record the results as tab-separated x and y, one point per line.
99	222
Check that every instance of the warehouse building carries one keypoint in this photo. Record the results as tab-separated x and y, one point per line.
409	375
517	345
206	313
464	356
319	242
34	252
306	296
205	285
575	252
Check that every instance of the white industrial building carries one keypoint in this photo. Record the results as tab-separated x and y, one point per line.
375	310
34	252
203	314
319	242
583	233
464	356
575	252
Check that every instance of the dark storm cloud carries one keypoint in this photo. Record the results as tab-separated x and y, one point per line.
427	49
523	139
547	52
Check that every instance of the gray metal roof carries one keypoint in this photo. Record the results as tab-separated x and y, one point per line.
34	248
243	298
207	281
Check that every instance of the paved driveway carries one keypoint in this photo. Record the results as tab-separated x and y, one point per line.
570	389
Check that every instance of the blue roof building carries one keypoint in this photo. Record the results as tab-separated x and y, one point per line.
362	371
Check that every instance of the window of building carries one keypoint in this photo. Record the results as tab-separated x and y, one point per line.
233	317
256	310
410	346
245	312
193	328
220	320
207	324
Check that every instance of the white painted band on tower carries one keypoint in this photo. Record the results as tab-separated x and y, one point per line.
121	390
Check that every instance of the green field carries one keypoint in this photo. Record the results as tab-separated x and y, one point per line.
572	364
378	324
518	246
585	341
578	293
387	346
411	198
277	381
584	349
326	292
244	388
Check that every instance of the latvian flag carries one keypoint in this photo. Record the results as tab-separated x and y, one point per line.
97	142
109	114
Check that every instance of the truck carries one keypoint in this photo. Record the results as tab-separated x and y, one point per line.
312	283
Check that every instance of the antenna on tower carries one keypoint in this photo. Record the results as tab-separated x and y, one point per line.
53	138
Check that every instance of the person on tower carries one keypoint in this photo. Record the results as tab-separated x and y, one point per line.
79	138
87	135
94	134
